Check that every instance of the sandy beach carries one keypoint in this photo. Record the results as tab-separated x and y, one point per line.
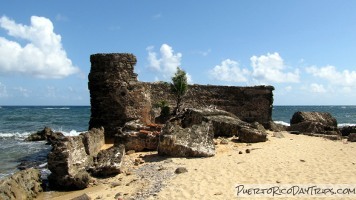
293	159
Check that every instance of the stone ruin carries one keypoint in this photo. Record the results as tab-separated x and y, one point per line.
117	97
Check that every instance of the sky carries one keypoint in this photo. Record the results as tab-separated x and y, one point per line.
305	49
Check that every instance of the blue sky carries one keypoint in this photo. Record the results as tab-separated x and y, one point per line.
305	49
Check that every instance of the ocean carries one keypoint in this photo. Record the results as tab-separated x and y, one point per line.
17	122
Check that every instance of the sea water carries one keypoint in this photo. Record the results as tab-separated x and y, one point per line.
17	122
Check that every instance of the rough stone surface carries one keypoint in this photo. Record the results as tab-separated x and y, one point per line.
314	122
118	97
82	197
321	117
347	130
70	158
22	185
182	139
115	95
250	135
108	162
93	141
352	137
277	127
138	137
45	134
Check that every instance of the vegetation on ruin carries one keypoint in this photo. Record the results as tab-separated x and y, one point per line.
179	87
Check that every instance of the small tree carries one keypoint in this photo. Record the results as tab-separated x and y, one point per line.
179	87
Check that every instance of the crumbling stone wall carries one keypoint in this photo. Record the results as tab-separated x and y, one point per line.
117	96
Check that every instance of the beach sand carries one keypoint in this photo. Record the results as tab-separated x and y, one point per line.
294	159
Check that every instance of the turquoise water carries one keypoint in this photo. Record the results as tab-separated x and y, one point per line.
17	122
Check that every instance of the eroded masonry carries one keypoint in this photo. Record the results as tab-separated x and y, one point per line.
118	97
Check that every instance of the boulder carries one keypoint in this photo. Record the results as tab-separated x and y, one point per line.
182	141
352	137
139	137
24	185
321	117
93	141
45	134
250	135
108	162
224	123
139	140
314	122
191	133
276	127
347	130
71	157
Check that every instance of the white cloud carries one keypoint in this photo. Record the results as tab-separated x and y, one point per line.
3	91
317	88
42	57
271	68
230	71
343	78
167	61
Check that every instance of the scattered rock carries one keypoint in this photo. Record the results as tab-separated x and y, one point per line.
218	193
224	141
24	184
180	170
347	130
301	160
249	135
82	197
129	152
118	195
139	161
45	134
108	162
277	127
139	137
240	152
115	184
352	137
71	156
248	151
187	137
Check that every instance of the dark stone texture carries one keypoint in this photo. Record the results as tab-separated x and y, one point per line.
45	134
22	185
314	123
321	117
352	137
347	130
